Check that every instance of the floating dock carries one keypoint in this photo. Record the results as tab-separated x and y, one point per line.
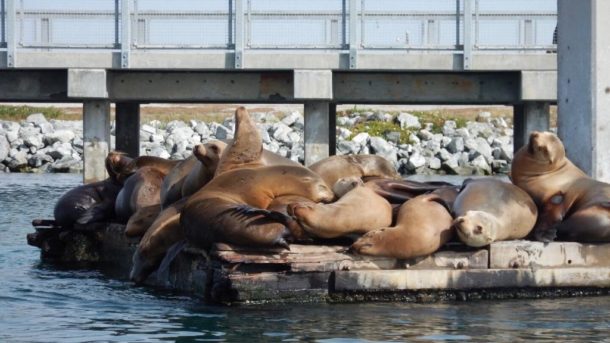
231	274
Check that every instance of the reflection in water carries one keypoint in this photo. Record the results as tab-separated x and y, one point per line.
44	303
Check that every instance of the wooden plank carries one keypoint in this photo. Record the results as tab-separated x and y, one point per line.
476	259
396	280
527	254
294	249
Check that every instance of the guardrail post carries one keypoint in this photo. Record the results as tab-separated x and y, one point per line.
240	33
467	57
353	34
11	33
126	9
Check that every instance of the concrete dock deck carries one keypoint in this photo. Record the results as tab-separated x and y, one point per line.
329	273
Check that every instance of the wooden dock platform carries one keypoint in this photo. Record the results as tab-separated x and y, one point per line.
329	273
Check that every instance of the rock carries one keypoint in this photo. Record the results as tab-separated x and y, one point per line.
66	165
378	116
343	133
36	119
159	152
273	147
451	165
17	160
483	116
449	128
431	148
347	147
462	132
425	135
480	166
456	145
174	124
408	121
362	138
297	154
60	151
444	155
62	136
34	141
413	139
281	133
5	148
157	138
38	159
393	137
415	161
292	118
434	163
148	129
500	166
223	132
342	121
202	129
384	149
25	132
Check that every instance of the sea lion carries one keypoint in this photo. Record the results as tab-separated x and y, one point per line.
163	233
92	202
336	167
233	206
246	149
161	164
358	211
171	189
141	220
142	189
572	205
422	226
208	156
490	210
399	191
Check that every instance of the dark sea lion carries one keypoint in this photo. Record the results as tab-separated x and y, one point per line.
490	210
422	226
93	202
572	205
142	189
171	189
233	207
399	191
336	167
358	211
208	156
116	164
141	220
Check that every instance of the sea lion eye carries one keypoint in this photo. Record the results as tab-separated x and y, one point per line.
478	229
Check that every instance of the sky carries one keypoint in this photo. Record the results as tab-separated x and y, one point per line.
182	23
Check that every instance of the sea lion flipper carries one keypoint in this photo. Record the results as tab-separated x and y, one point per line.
170	255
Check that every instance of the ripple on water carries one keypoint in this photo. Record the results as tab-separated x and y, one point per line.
43	303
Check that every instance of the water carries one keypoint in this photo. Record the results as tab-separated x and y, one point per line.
43	303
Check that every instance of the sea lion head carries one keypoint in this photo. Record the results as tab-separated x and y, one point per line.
209	153
142	267
116	165
346	184
371	243
545	147
476	228
319	190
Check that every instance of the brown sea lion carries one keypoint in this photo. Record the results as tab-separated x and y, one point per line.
490	210
423	225
171	189
141	220
208	156
399	191
116	164
163	233
161	164
336	167
142	189
360	210
233	207
572	205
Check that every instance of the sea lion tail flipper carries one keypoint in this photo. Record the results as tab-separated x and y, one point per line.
170	255
93	214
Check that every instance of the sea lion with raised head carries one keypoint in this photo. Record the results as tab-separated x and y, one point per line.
490	210
573	206
161	164
358	211
208	156
422	226
233	207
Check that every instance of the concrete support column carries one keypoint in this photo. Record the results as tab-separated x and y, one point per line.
96	134
583	97
332	129
316	131
528	117
128	128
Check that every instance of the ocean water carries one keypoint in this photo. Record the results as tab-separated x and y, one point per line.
44	303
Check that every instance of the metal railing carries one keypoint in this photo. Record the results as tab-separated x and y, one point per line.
354	25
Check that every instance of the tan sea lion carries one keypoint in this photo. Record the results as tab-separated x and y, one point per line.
207	156
161	164
490	210
336	167
141	220
233	207
422	226
142	189
358	211
163	233
171	189
572	205
399	191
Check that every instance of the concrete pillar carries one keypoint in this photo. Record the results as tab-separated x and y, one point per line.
528	117
332	129
96	133
316	131
583	96
128	128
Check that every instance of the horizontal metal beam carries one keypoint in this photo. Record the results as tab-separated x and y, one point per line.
426	88
34	85
270	87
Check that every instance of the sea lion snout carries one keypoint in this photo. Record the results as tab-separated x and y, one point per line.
473	231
